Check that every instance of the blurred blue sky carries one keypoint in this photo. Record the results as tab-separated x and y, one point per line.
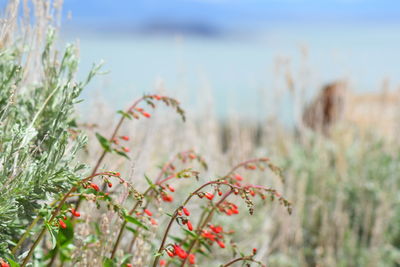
231	13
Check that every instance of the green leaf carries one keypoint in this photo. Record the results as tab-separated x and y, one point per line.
149	181
107	262
124	114
104	142
135	221
53	234
12	263
131	229
121	153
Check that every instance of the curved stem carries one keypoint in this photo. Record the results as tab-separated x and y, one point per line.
204	224
245	258
174	216
56	212
244	163
25	235
121	230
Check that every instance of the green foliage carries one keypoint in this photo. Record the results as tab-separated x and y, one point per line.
38	135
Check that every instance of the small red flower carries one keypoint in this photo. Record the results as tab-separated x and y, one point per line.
189	226
148	212
209	195
163	262
170	253
216	229
208	235
167	198
157	97
128	265
180	252
117	174
252	193
147	115
221	244
3	263
254	251
75	213
139	109
109	185
192	156
171	188
94	186
124	137
192	259
219	193
185	210
251	167
126	149
238	177
62	224
115	141
153	222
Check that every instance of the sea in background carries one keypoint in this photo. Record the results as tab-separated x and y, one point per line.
239	73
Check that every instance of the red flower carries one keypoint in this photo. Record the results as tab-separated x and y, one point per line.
147	115
221	244
180	252
124	137
189	226
115	141
109	185
208	235
126	149
192	259
163	263
216	229
192	156
254	251
118	174
171	188
167	198
139	109
148	212
157	97
252	193
251	167
62	224
128	265
94	186
185	210
238	177
3	263
153	222
170	253
209	195
75	213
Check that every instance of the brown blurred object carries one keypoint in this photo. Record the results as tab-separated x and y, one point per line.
372	112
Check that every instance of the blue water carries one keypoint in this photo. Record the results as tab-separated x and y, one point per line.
240	71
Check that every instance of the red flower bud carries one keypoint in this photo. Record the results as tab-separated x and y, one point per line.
126	149
167	198
148	212
252	193
128	265
209	195
171	188
189	226
118	174
179	213
221	244
62	224
185	210
3	263
115	141
124	137
163	262
94	186
75	213
192	156
157	97
238	177
139	109
153	222
109	185
170	253
254	251
147	115
219	193
192	259
251	167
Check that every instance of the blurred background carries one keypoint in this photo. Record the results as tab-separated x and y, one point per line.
237	51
